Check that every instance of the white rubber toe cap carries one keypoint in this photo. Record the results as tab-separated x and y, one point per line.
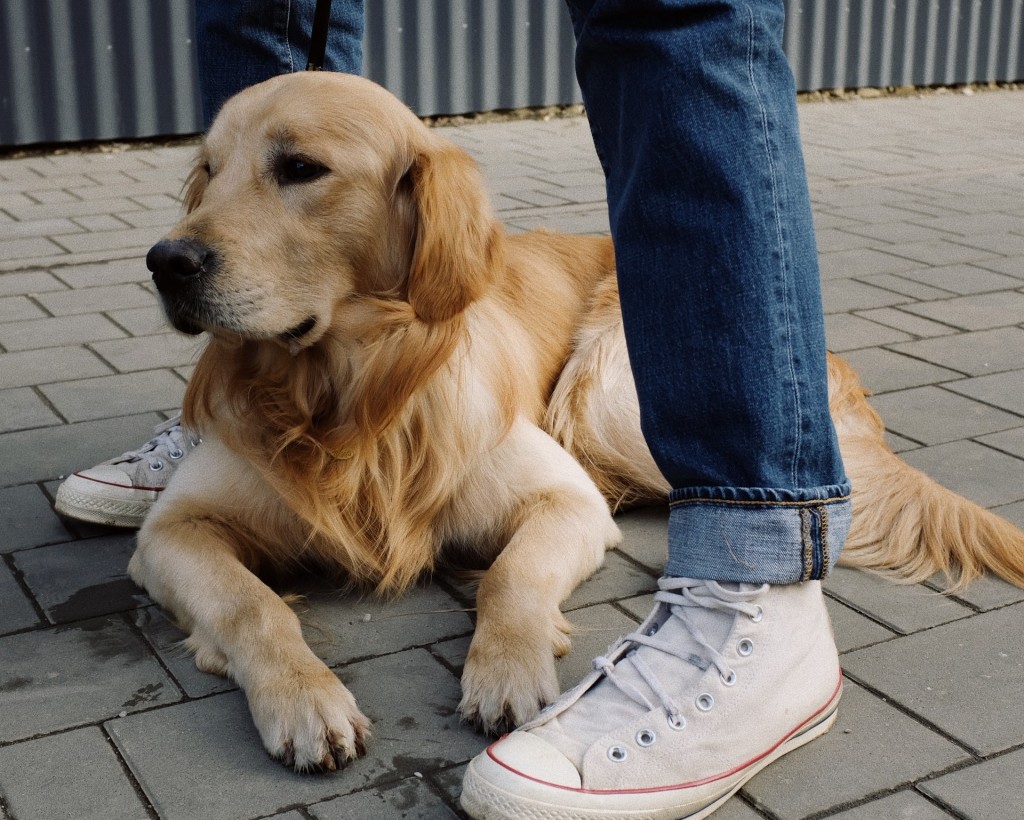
522	754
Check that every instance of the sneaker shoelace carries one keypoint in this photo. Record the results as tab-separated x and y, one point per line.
171	441
684	597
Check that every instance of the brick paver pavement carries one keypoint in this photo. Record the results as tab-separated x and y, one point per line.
920	213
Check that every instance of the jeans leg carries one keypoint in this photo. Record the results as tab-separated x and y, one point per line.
693	113
243	42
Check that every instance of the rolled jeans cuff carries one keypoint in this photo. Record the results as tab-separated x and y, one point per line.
755	535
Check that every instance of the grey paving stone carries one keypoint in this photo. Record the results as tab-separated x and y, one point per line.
882	371
165	350
901	608
71	776
65	206
16	610
19	308
50	333
29	247
844	295
645	536
844	332
639	607
126	238
101	274
987	477
106	396
976	353
977	312
853	630
204	758
1004	390
342	627
991	790
932	415
1009	441
159	218
1014	513
27	519
904	286
906	322
104	299
985	592
831	240
143	321
21	408
872	747
412	799
82	579
1005	244
940	252
862	262
963	279
31	367
970	698
41	455
100	222
1012	266
29	282
896	233
75	675
905	805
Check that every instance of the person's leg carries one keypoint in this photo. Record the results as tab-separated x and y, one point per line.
693	112
242	42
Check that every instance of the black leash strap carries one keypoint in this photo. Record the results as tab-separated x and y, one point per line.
318	37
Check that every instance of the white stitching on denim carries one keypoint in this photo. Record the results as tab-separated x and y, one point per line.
773	176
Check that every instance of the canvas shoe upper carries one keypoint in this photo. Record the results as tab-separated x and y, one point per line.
120	492
715	684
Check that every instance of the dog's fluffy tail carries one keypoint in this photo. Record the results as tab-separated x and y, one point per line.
905	524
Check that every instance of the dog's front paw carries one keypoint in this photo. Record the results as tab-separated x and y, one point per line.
505	683
309	720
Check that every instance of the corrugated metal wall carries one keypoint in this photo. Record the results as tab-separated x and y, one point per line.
105	69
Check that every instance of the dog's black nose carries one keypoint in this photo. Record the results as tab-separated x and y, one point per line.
176	262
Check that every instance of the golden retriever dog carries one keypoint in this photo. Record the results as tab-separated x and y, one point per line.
391	380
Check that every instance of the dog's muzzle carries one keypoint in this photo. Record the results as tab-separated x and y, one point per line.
178	265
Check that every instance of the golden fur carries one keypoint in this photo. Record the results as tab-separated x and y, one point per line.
389	376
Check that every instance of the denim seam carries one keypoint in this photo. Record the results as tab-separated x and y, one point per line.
759	503
808	547
826	560
779	232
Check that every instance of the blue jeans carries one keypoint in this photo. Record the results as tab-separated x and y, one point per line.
243	42
693	112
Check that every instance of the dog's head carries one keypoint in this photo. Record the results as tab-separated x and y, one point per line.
310	189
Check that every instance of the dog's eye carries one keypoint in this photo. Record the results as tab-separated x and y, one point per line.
297	169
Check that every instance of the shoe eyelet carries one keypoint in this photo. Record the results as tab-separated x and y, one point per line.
705	702
758	616
156	466
676	722
651	630
745	647
176	454
645	737
617	754
730	679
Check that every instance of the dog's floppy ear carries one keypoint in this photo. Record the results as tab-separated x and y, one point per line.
458	245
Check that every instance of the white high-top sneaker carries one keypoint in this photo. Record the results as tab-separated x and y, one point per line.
718	682
121	491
